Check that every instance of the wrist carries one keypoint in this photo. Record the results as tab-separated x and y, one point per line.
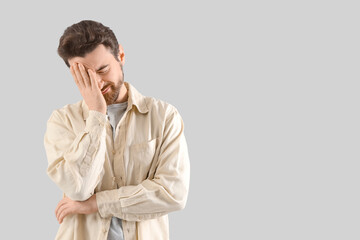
103	111
95	120
94	203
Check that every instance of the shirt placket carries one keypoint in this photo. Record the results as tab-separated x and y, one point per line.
110	156
111	153
118	151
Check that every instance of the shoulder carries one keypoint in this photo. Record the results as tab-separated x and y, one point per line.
160	107
67	112
165	112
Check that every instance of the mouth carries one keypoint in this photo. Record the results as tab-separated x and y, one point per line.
105	90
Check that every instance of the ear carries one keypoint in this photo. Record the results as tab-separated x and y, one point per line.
121	55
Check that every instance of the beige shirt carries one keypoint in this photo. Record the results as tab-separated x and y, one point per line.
139	177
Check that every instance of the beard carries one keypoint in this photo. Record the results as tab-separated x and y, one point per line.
113	93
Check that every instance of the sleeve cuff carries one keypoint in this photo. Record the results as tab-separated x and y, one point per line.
108	203
95	118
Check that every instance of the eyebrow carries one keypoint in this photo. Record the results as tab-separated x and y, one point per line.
102	67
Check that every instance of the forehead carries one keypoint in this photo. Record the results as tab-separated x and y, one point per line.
94	59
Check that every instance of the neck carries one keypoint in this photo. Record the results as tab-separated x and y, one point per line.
123	96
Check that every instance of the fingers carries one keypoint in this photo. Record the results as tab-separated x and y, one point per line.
62	202
60	207
72	70
63	214
84	75
93	81
80	75
65	207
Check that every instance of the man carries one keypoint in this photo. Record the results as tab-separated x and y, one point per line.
119	157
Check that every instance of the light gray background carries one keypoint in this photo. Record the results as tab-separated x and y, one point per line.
268	90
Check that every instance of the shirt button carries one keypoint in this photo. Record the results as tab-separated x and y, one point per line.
113	151
104	230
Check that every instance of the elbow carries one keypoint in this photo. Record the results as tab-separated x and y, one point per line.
81	193
180	204
176	206
181	199
74	188
78	196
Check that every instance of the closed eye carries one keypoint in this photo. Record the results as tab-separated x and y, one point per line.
104	71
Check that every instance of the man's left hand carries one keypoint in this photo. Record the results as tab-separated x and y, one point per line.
67	206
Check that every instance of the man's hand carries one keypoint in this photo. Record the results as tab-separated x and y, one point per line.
89	88
67	206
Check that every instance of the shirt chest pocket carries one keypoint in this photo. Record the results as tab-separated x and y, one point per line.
141	157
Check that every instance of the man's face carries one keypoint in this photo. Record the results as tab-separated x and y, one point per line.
109	72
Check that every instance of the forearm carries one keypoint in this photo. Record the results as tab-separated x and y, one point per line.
135	203
76	164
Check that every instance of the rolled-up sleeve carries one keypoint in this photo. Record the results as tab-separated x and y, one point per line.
167	191
75	161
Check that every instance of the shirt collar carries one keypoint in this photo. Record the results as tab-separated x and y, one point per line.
134	99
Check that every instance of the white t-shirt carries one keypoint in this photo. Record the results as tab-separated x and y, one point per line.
115	113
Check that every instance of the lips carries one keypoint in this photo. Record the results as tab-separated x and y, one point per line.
105	90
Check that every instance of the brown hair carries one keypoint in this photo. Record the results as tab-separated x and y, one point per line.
83	37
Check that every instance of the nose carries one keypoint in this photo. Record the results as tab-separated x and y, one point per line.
100	81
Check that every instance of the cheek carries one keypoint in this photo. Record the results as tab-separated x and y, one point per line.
114	76
111	77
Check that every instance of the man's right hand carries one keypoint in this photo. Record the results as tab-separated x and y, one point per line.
89	88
